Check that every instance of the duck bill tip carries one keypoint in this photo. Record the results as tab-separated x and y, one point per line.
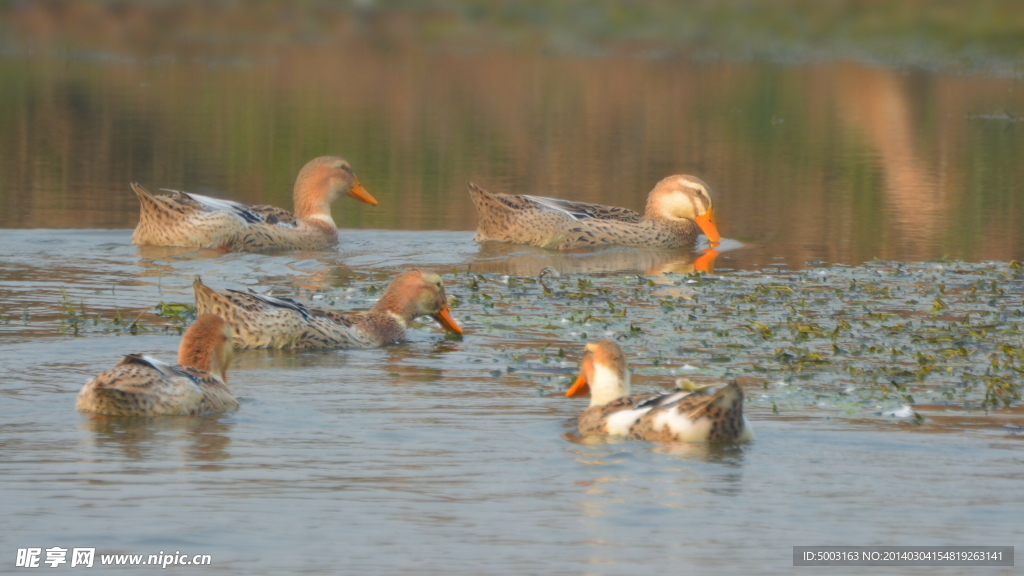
578	388
444	317
707	226
359	193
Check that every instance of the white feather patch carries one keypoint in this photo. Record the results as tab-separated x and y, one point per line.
682	427
607	385
619	423
322	217
216	203
747	433
553	204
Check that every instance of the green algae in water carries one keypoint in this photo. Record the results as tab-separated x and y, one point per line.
858	339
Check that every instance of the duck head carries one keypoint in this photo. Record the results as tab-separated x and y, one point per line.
322	180
604	373
207	346
682	197
413	294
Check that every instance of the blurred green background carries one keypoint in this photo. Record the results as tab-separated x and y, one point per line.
833	130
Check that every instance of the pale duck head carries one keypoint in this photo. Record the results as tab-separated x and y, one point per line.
604	373
322	180
683	197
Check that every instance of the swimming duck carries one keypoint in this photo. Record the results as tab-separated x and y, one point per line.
196	221
680	415
262	321
141	385
678	208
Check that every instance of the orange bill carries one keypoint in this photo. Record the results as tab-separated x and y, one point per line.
706	262
359	193
707	225
579	387
446	320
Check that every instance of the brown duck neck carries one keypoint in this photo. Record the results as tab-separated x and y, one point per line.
392	303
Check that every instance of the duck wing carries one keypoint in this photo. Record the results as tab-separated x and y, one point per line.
274	216
275	301
167	370
253	214
210	204
585	211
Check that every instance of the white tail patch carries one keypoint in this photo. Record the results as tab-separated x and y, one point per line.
747	433
683	427
620	423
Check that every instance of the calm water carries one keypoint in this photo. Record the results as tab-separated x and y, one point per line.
438	455
441	456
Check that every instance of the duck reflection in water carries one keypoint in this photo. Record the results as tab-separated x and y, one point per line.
199	439
504	258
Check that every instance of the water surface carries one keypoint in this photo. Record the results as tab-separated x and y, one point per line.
440	455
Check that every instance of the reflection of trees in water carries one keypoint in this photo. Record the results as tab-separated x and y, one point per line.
833	162
200	439
880	105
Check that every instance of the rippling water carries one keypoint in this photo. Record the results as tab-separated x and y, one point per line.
438	455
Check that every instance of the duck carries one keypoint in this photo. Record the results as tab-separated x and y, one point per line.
682	415
264	321
196	221
678	209
140	385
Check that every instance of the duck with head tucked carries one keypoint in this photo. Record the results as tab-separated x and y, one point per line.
141	385
677	416
262	321
678	209
196	221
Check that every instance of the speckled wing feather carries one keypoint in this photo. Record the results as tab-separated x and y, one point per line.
165	369
565	225
142	386
193	220
263	321
517	219
720	413
272	215
276	301
210	204
594	421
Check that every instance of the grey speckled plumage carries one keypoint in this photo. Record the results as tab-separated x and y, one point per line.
722	411
262	321
143	386
669	221
677	416
197	221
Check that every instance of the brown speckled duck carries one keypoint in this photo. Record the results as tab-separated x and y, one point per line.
678	208
677	416
261	321
196	221
143	386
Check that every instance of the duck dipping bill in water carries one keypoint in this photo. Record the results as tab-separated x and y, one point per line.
261	321
677	416
196	221
678	209
143	386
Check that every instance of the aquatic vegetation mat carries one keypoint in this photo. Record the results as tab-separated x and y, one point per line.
881	340
849	340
